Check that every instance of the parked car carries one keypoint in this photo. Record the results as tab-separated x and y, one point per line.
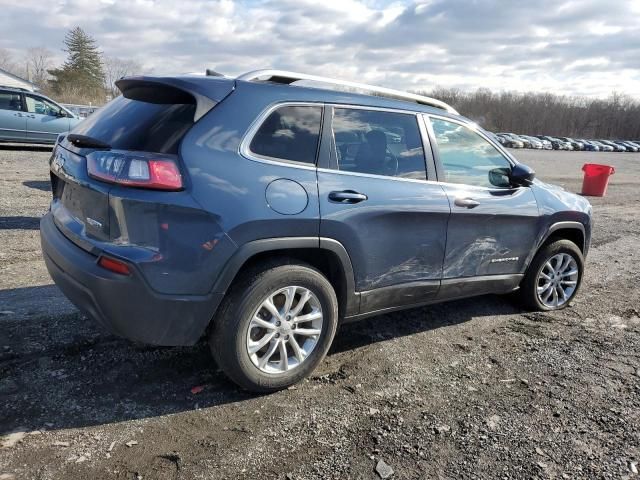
615	146
629	146
588	146
556	143
603	147
264	214
533	142
546	144
525	141
27	117
566	145
511	141
495	138
575	144
80	111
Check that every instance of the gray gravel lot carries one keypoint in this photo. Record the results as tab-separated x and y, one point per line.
467	389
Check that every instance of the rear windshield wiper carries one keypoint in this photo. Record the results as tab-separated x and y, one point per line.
83	141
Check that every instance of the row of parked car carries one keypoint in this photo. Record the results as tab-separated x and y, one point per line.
546	142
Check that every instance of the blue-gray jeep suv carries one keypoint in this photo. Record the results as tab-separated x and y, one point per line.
263	213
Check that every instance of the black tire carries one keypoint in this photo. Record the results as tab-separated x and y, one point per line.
228	336
528	288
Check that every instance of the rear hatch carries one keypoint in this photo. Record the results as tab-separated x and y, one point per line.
137	134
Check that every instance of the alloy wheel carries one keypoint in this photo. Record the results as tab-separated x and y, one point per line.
557	280
284	330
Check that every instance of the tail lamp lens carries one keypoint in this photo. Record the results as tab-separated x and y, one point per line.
135	170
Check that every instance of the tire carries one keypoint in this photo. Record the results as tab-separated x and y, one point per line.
528	292
234	326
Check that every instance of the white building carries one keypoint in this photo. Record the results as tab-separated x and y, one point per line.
10	80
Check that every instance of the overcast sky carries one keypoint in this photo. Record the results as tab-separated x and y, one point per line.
581	47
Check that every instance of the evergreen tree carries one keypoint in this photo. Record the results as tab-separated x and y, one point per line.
82	75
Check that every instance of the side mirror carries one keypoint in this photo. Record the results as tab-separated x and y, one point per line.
521	175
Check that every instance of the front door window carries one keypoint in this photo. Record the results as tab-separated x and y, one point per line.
468	158
41	106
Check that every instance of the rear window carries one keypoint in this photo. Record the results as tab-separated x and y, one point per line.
128	124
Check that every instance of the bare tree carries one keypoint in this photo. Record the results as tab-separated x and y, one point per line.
39	61
116	68
7	63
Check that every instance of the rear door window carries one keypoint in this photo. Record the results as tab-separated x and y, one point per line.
128	124
10	101
289	133
378	143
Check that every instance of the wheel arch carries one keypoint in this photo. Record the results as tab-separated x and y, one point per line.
564	230
573	231
327	255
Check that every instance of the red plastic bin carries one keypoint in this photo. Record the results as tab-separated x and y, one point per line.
596	179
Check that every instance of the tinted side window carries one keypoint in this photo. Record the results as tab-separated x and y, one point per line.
467	157
380	143
10	101
289	133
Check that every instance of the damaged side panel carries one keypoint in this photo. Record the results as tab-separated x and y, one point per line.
180	247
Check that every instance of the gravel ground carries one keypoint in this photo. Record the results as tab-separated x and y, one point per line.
467	389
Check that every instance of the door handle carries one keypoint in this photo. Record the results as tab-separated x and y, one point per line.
466	202
17	114
347	196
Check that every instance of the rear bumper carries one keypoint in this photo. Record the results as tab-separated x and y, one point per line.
125	305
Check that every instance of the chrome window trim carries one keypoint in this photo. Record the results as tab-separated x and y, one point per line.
255	125
246	152
373	175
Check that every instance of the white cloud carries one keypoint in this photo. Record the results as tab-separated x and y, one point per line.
585	47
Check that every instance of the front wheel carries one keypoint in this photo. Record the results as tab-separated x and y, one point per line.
275	326
554	277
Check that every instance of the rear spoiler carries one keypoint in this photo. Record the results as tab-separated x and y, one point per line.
205	92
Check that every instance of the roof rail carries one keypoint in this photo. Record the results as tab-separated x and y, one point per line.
287	78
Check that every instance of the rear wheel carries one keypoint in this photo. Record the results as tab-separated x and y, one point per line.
554	277
275	326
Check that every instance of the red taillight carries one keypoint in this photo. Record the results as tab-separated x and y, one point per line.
114	265
135	170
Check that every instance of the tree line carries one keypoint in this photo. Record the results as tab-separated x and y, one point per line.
86	77
616	117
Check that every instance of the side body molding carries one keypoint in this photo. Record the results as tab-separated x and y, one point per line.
249	249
